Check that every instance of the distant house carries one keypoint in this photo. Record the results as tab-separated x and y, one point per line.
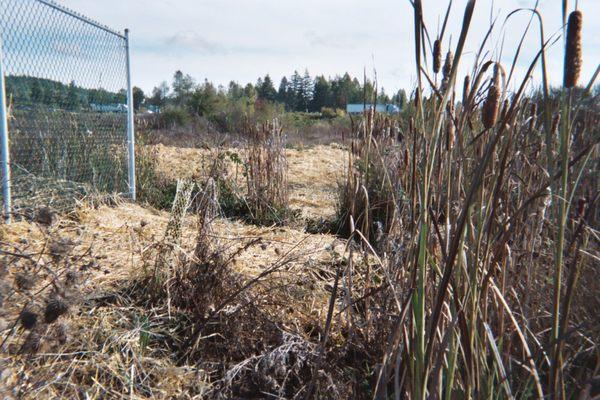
380	108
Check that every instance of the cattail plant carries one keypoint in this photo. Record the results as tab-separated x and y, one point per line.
466	90
447	70
572	69
437	56
555	125
573	52
481	316
492	102
367	198
532	116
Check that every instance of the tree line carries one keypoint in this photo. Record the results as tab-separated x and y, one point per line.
301	93
296	93
27	91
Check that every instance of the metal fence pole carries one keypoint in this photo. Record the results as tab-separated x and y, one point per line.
130	123
6	195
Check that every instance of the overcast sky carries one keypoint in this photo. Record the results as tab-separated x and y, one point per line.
223	40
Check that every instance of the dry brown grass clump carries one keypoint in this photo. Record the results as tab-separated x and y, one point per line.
266	173
367	199
253	332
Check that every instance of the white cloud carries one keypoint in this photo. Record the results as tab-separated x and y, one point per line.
190	40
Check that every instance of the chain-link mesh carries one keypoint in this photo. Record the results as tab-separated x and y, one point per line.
66	81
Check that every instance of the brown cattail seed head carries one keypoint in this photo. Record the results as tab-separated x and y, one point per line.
555	124
490	107
492	102
533	110
446	71
437	56
580	212
532	116
573	53
448	65
496	77
466	90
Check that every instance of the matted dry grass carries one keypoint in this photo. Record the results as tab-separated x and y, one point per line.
119	348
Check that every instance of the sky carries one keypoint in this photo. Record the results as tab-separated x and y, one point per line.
241	40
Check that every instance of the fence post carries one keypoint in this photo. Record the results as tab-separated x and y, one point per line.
130	123
6	195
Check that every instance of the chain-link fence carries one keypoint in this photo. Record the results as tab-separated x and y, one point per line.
67	90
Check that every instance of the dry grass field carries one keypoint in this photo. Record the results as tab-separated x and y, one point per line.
313	173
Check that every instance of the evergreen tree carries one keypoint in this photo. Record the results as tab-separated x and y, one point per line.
235	91
250	95
205	100
367	93
182	88
295	92
283	90
383	98
287	94
306	92
402	98
265	89
321	95
345	91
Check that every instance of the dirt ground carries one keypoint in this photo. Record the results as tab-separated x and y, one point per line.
313	173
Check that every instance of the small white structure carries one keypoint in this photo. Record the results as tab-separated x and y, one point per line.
380	108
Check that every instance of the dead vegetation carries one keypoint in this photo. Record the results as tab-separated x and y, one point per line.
236	301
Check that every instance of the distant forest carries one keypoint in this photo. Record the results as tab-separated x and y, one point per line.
301	93
297	92
26	91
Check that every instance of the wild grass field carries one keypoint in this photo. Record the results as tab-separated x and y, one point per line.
447	252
